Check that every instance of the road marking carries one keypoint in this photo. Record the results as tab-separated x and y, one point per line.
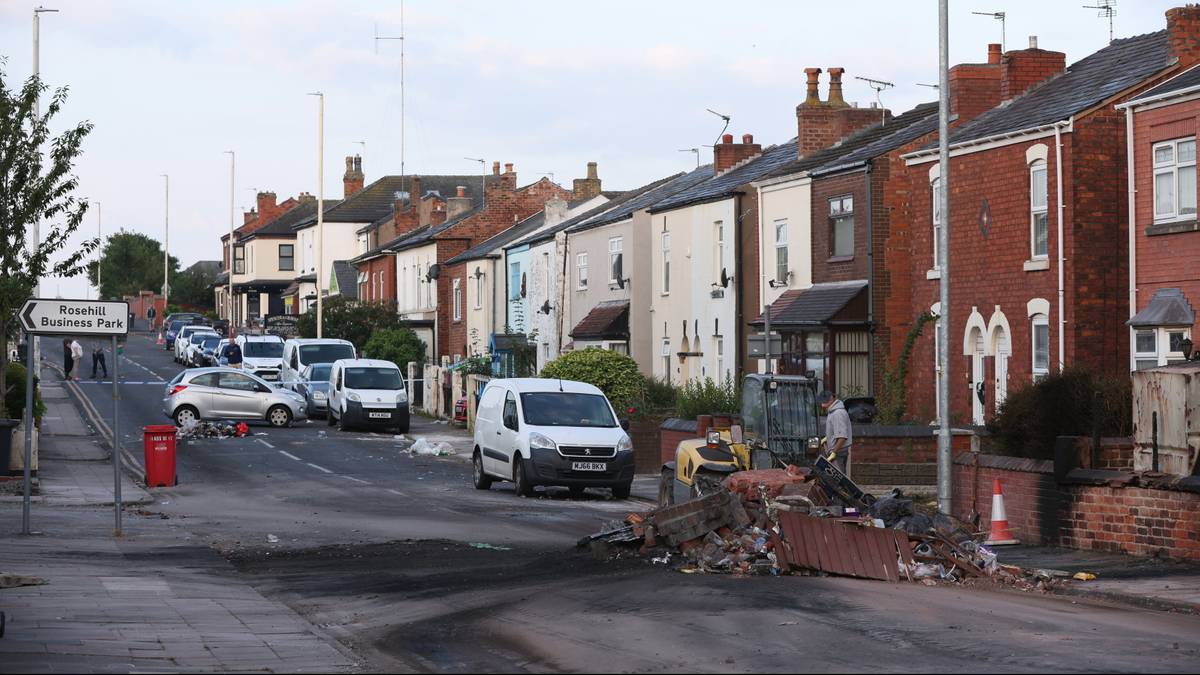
289	455
266	444
356	480
318	468
139	365
396	492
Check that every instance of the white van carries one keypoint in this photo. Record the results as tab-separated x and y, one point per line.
299	353
367	393
262	355
536	431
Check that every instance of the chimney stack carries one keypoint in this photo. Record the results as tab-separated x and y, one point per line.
249	216
306	198
1024	69
556	210
586	188
975	87
458	204
835	88
1183	27
352	180
266	202
821	124
728	154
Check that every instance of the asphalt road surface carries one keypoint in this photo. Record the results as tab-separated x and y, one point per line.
410	567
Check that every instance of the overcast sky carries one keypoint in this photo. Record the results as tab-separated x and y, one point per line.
547	86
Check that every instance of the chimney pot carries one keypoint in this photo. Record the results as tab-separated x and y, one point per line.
994	51
591	171
1033	42
835	87
495	168
747	139
811	96
349	163
508	168
462	191
727	138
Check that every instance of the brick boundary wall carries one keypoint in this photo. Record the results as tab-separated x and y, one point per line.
1131	520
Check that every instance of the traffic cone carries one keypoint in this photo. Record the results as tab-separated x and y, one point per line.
160	339
1000	534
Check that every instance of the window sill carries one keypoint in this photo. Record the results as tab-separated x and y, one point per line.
580	289
1173	227
840	259
933	274
1037	265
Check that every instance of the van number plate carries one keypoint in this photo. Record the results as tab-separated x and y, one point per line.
589	466
379	415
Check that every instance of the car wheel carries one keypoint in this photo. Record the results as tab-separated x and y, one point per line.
576	491
482	480
524	487
186	415
622	491
279	416
666	488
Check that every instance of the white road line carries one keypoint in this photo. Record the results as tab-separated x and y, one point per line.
318	468
266	444
357	480
396	492
289	455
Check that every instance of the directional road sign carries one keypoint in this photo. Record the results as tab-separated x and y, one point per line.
46	316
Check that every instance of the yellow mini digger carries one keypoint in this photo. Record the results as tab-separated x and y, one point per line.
778	426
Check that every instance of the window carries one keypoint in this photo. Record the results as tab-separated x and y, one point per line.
619	348
1155	347
458	299
666	358
252	260
781	251
718	248
936	189
581	271
615	259
1041	346
852	355
841	216
478	290
1175	180
1039	225
720	348
514	281
239	259
666	263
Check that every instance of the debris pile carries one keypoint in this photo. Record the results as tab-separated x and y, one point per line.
798	521
424	448
222	429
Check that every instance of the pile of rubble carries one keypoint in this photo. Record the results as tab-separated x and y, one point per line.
797	521
203	429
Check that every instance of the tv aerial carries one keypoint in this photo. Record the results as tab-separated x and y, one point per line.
879	86
1106	9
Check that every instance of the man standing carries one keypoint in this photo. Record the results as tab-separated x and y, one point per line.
234	353
838	433
76	358
98	360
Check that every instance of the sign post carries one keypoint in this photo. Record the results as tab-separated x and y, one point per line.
88	318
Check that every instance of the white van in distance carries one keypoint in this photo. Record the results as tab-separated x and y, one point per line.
534	431
299	353
262	355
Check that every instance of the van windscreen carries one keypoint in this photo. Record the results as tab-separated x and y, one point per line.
326	353
262	349
562	409
361	377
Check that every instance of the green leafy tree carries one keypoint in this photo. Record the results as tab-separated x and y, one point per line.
398	345
615	374
132	262
36	185
351	320
193	288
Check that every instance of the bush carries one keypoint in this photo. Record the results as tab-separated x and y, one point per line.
615	374
660	396
398	345
708	397
1061	404
350	320
14	399
480	364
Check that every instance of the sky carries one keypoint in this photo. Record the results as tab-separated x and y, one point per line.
547	86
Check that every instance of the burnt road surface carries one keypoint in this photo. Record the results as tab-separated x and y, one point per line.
401	560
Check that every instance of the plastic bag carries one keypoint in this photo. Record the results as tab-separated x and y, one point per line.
424	448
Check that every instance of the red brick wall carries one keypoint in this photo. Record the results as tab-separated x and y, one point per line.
452	335
746	269
368	290
824	267
1024	68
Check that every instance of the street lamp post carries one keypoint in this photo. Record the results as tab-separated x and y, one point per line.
166	241
229	278
35	237
945	460
320	209
99	250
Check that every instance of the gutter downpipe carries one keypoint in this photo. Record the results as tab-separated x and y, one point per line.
1062	322
738	300
1131	226
870	164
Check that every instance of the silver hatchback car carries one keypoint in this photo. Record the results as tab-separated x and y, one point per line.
229	394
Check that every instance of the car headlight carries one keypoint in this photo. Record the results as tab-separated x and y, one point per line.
318	395
402	397
354	397
624	445
541	442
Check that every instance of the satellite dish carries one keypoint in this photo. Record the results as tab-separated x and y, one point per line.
435	270
621	283
725	278
546	308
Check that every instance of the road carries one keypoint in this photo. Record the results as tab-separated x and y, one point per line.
407	565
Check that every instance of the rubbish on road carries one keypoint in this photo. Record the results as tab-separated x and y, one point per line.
490	547
1083	576
15	581
220	429
424	448
272	539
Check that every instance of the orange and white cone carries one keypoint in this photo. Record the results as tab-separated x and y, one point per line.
1000	534
160	339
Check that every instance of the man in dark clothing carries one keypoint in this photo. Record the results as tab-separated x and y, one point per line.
234	353
98	360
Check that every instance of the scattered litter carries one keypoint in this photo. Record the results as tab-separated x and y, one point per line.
218	430
1083	576
261	433
424	448
490	547
272	539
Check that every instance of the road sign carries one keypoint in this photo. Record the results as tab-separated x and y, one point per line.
46	316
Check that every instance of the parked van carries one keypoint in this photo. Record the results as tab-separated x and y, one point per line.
367	393
301	352
535	431
262	355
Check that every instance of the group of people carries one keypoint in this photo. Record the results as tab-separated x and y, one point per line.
73	359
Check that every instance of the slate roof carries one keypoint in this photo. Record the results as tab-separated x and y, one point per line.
1186	80
427	233
347	279
615	202
378	199
608	320
724	185
674	185
1087	82
1168	307
285	223
813	306
206	266
483	250
875	141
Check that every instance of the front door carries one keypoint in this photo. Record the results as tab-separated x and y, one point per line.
977	382
1002	350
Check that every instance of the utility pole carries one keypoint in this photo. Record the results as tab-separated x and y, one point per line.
945	460
229	279
379	37
35	238
99	252
166	242
321	211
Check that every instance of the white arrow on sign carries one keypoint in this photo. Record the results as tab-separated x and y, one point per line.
45	316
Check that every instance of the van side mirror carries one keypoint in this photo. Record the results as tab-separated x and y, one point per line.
625	424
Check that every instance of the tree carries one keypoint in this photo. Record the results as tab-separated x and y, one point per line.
398	345
193	288
615	374
131	262
350	320
36	185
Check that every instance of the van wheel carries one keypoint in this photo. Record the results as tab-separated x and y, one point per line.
482	480
341	422
622	491
329	417
666	488
524	487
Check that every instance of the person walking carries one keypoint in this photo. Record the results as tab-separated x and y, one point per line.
68	360
839	435
77	358
98	360
234	353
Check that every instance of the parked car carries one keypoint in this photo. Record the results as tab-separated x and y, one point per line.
195	344
181	316
314	387
184	339
367	393
206	351
226	393
173	328
536	431
262	355
298	353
